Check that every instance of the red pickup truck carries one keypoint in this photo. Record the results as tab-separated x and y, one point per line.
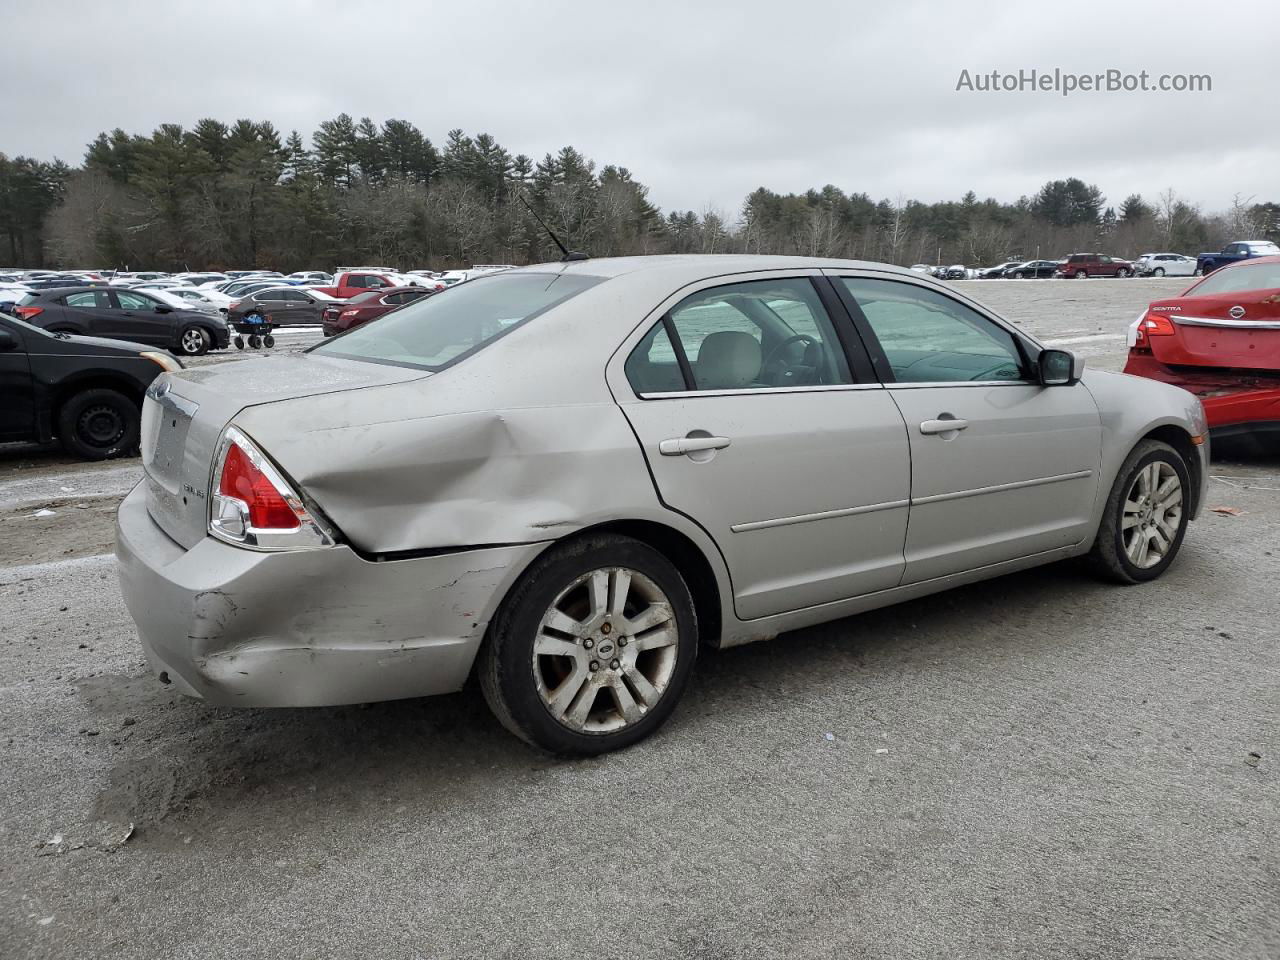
355	282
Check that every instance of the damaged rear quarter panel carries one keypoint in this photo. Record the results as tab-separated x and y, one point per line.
415	466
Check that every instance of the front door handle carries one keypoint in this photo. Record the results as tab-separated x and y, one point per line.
943	426
679	446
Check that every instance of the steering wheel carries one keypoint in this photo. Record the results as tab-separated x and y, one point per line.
779	347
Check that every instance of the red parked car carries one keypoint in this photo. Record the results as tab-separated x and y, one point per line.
1221	341
341	317
1081	265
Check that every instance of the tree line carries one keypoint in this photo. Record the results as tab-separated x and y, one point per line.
222	195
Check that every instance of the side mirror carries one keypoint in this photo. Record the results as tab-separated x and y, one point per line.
7	341
1059	368
164	309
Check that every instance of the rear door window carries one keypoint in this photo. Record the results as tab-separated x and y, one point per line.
89	300
754	335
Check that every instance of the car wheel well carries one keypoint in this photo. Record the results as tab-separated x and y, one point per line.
1180	440
685	555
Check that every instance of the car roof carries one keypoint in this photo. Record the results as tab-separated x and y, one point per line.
51	292
689	268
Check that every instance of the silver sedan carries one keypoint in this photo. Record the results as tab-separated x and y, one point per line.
570	479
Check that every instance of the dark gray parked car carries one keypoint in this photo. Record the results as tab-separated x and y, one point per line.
282	306
119	314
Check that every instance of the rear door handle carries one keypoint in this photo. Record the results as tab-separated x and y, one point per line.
942	426
679	446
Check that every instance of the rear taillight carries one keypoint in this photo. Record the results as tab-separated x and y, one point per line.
26	313
253	505
1152	325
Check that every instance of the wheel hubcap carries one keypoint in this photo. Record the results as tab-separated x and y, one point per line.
101	426
192	341
1152	514
605	651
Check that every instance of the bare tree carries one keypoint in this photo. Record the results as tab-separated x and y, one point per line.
714	231
1241	221
897	232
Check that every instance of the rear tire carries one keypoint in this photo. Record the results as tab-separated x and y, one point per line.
99	424
613	655
1142	509
268	341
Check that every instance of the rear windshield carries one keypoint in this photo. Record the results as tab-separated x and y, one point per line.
437	331
1247	276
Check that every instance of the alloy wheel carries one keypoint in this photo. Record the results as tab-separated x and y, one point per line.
192	340
605	651
1152	514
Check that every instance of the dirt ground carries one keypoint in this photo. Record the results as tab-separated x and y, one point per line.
1037	766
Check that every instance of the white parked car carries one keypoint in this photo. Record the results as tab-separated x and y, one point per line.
572	480
1164	265
131	279
191	298
164	284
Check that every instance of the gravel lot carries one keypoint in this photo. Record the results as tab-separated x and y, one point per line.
1038	766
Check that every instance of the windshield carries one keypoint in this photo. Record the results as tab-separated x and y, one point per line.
1247	276
434	332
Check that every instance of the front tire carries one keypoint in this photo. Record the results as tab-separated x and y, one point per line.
592	649
194	341
1158	272
99	424
1122	273
1146	515
1081	274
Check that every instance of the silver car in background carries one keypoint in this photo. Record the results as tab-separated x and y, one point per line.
570	478
1164	265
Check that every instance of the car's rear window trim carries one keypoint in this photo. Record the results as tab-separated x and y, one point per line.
439	367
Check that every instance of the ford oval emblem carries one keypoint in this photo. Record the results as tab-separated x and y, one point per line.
1236	312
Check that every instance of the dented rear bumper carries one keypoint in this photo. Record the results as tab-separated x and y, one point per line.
307	628
1235	402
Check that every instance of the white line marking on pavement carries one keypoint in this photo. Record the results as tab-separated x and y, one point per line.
1086	339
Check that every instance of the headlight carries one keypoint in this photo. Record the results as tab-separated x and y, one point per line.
166	361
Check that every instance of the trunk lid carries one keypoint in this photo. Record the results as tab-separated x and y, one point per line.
1231	331
185	413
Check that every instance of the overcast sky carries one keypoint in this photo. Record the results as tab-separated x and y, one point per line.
703	101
